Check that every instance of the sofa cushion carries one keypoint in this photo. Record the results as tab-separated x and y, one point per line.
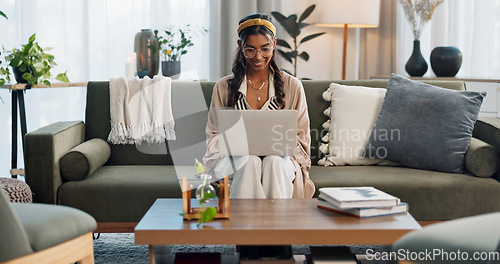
353	112
423	126
123	193
84	159
430	195
14	242
48	225
481	158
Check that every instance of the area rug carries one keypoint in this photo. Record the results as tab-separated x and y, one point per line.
113	248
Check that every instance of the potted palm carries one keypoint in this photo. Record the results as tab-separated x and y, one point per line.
31	64
172	44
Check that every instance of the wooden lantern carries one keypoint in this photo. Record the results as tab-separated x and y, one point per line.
194	213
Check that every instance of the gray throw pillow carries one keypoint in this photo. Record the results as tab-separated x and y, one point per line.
423	126
481	159
82	160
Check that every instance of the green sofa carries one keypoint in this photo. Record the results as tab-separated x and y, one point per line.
120	192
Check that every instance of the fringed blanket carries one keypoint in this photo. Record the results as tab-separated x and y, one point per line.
141	110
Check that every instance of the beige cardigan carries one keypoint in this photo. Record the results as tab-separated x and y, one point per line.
295	99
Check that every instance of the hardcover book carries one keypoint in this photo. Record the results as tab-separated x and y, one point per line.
367	211
357	197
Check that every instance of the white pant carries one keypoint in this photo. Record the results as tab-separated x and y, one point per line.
270	177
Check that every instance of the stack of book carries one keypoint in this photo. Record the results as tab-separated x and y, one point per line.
360	201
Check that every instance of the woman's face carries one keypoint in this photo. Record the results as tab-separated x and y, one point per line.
262	47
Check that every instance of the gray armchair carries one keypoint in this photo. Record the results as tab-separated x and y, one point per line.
42	233
473	239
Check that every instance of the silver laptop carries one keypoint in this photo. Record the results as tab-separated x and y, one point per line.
258	132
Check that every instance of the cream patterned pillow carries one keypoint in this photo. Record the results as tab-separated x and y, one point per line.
353	112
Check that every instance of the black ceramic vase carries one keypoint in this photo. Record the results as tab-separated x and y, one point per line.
416	65
446	61
171	69
18	74
148	61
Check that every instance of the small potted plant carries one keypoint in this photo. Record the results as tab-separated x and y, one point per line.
172	44
30	64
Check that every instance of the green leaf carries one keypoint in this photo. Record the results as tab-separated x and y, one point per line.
32	38
311	37
285	56
306	13
199	166
292	17
291	26
4	15
207	197
38	66
46	82
26	76
16	62
207	215
283	43
2	82
304	56
303	25
62	77
278	16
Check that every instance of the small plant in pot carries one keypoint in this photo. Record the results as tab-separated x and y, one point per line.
172	44
30	64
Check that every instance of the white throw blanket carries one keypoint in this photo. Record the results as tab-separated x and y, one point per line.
141	110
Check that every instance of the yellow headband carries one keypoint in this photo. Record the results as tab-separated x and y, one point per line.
257	22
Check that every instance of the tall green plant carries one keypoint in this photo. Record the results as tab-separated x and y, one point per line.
293	27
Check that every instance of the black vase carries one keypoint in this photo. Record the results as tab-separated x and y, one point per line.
416	65
148	60
19	75
171	69
446	61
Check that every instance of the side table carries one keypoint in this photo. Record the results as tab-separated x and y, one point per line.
17	191
18	91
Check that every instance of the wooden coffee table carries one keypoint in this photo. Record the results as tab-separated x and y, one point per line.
269	222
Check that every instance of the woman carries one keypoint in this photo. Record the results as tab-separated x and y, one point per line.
258	83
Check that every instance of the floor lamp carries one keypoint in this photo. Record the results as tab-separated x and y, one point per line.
347	14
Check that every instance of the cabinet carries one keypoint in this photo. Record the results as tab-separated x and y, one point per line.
491	103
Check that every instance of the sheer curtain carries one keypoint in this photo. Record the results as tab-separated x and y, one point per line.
378	45
91	40
471	26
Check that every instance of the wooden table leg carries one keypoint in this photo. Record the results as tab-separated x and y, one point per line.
151	254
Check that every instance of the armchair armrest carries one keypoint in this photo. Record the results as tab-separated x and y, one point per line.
487	129
44	147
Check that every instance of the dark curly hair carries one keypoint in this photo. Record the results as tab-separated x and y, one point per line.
240	63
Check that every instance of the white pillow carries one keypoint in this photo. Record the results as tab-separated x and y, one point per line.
353	112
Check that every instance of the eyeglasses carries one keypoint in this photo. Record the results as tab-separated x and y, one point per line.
251	52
